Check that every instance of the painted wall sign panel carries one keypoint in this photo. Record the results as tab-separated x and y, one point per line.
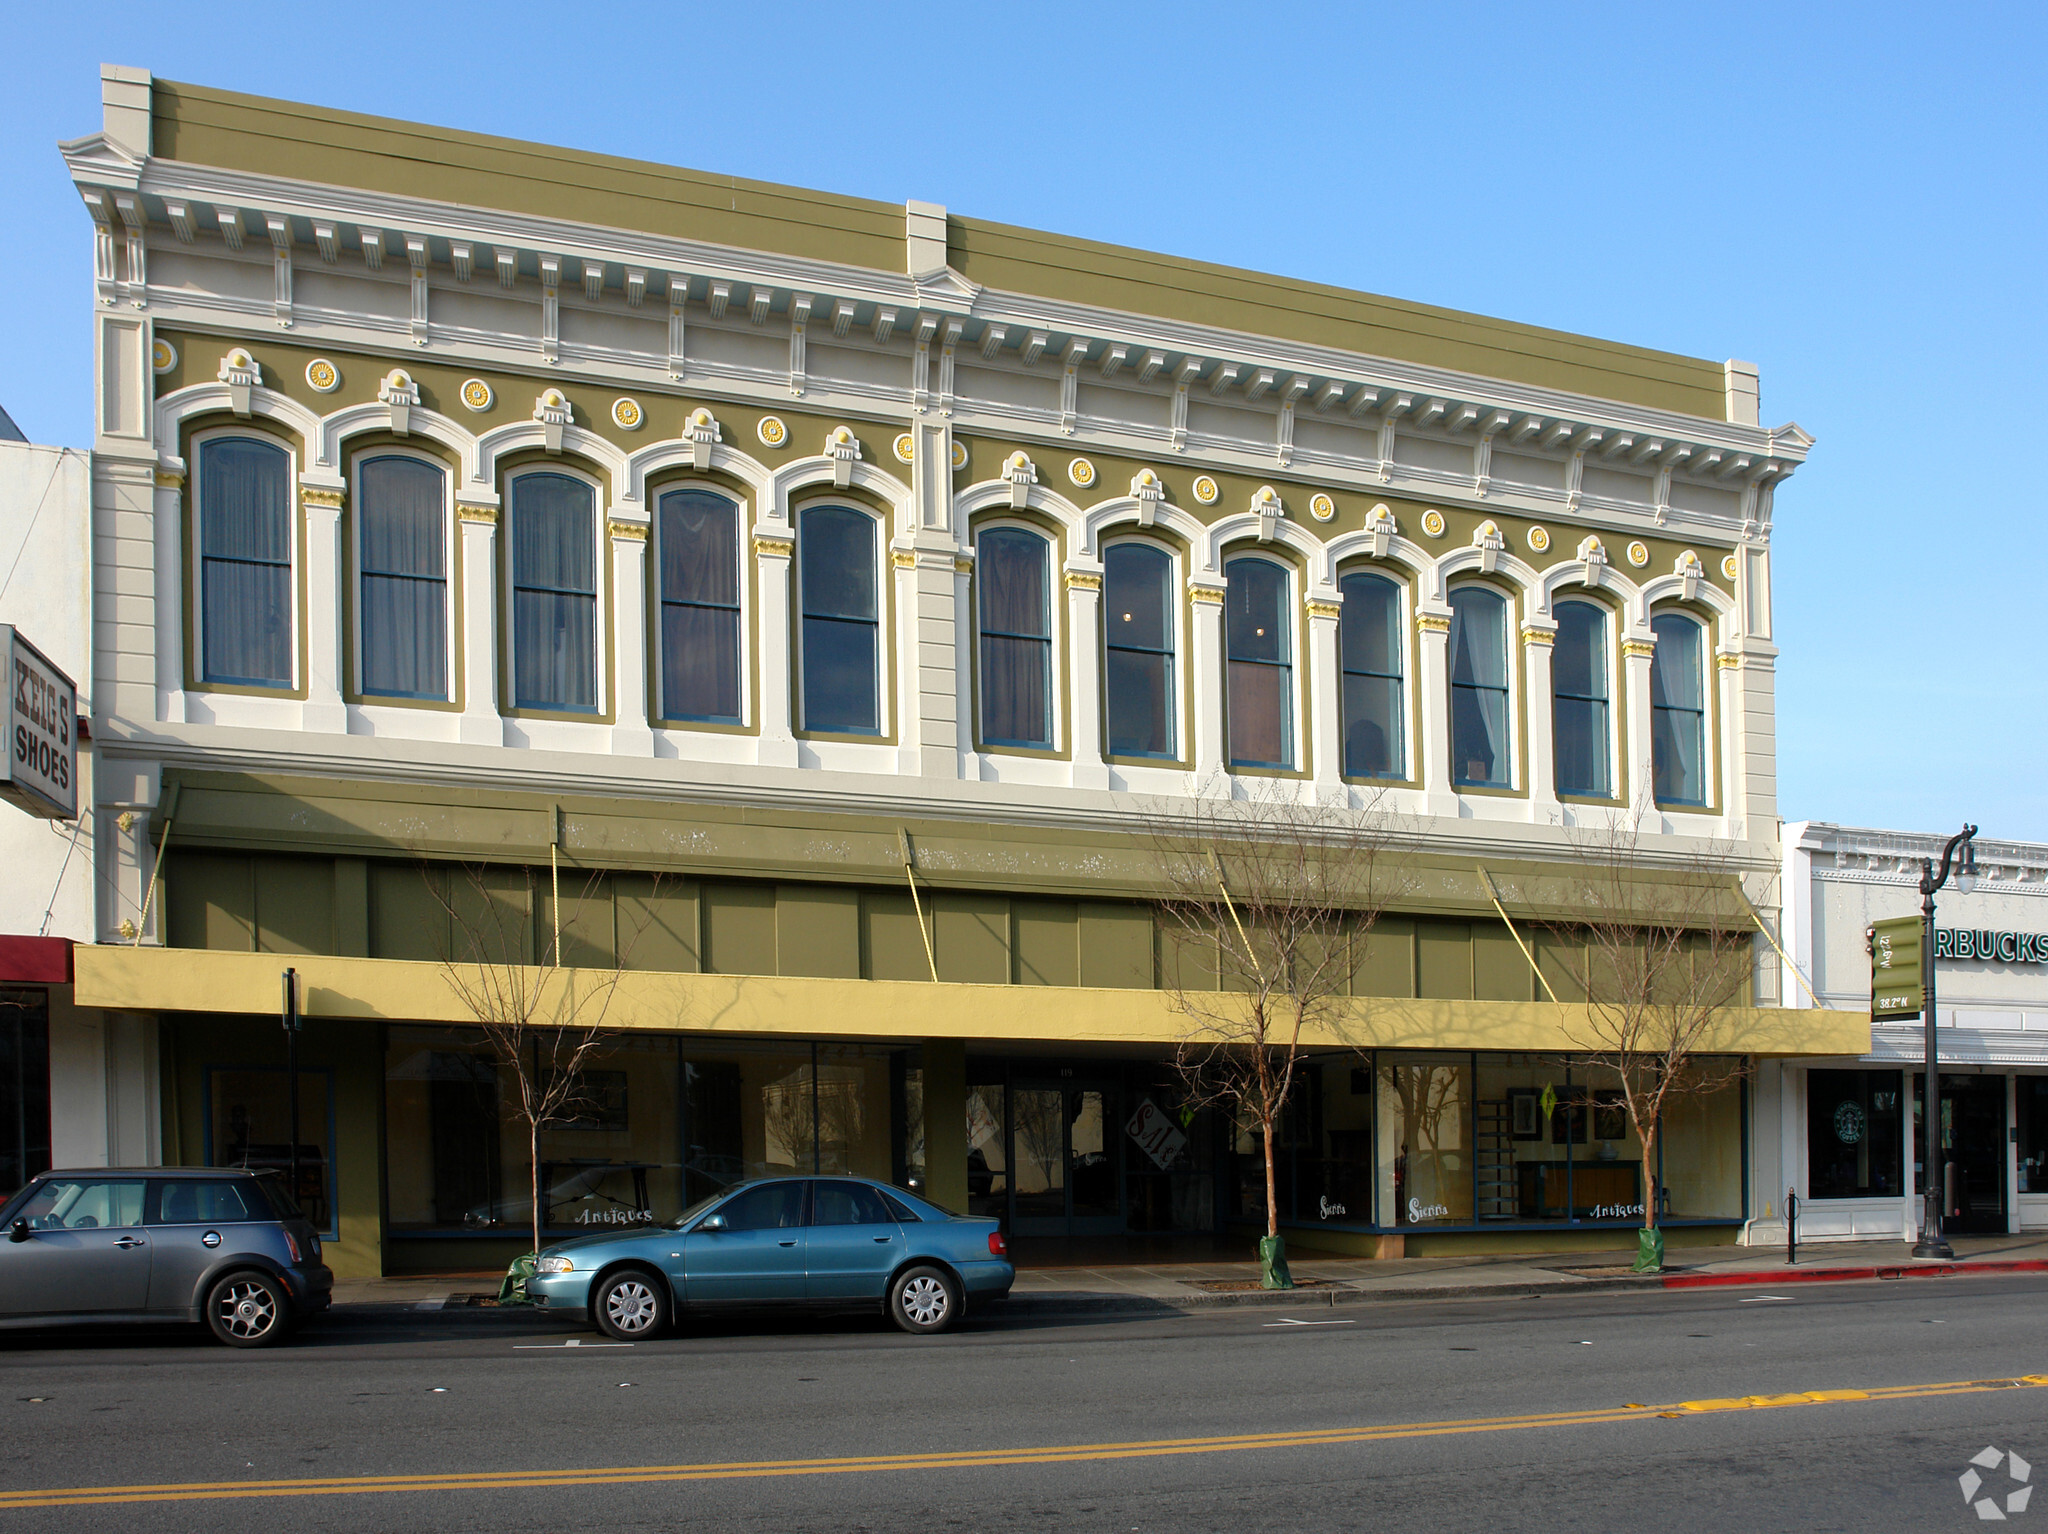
41	775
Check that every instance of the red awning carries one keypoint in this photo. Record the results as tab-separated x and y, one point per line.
35	960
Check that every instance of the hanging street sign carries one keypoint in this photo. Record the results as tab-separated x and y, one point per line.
41	771
1895	979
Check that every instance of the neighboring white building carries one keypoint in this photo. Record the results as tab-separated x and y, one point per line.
1843	1132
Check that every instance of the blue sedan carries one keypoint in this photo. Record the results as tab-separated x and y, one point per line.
829	1242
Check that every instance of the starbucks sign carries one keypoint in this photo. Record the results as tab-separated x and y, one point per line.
1849	1123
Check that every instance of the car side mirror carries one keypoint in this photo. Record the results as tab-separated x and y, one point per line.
19	1231
712	1224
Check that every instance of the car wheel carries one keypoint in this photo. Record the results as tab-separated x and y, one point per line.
629	1306
248	1310
924	1300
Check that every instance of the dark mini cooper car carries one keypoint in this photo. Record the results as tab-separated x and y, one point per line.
826	1242
114	1244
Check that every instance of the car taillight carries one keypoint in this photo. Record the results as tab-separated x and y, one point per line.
997	1246
291	1244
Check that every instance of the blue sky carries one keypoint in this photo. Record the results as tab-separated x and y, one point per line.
1850	196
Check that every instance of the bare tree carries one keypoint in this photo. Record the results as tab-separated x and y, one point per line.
544	1021
1269	904
1657	953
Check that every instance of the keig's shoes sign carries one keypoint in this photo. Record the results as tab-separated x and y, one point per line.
1988	1507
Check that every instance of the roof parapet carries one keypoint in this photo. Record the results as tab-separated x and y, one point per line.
125	105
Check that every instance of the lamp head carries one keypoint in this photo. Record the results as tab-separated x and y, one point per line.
1966	874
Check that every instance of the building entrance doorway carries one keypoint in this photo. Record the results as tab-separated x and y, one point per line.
1973	1140
1066	1159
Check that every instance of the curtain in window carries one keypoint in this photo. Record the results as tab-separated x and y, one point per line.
1369	640
1260	710
700	606
1014	571
1137	637
554	593
841	629
1678	706
402	534
1579	688
245	574
1479	688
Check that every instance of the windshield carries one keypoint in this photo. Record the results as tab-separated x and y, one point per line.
697	1208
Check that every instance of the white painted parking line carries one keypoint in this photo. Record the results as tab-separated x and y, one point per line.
1291	1322
573	1342
1762	1299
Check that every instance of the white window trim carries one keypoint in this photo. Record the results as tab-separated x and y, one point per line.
742	523
884	618
295	521
1055	617
1294	617
1184	680
1617	694
601	617
450	555
1404	601
1511	605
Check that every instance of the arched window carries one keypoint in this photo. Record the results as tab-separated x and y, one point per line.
1137	639
1260	709
1579	688
842	655
1678	708
1479	688
402	553
699	550
245	562
1014	571
1369	638
554	593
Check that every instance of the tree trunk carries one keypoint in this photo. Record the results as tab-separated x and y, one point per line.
1272	1204
533	1164
1650	1179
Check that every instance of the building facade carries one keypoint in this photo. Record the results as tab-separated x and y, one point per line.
1846	1131
787	605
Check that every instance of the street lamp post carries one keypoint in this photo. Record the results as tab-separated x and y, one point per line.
1932	1242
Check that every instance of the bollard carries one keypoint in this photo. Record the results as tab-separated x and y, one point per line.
1791	1227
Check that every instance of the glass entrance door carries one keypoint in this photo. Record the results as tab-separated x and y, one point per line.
1973	1152
1064	1159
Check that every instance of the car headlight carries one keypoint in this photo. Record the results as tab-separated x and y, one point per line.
554	1265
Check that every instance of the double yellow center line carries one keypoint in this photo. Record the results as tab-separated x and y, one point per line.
970	1459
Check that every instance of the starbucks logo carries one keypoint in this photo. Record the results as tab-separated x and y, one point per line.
1849	1123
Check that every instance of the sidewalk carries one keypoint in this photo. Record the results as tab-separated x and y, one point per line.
1188	1286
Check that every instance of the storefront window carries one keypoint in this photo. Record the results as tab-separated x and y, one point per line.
1852	1134
1169	1155
1551	1147
1425	1140
1335	1175
1700	1146
249	1125
988	1161
2031	1101
24	1086
753	1114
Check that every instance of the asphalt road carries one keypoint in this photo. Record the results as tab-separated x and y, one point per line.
1552	1413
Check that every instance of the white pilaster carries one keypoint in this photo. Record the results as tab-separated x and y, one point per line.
931	730
771	570
1537	639
1206	660
1727	784
1325	683
1433	707
481	724
1084	631
168	528
631	733
323	711
1638	764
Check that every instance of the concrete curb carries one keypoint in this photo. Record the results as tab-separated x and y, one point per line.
1849	1275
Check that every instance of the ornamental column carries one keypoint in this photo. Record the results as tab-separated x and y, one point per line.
323	709
1206	659
1325	681
1537	639
1638	762
631	733
480	723
772	554
1084	671
1433	709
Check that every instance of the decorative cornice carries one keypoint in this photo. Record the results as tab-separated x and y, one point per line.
1432	623
1083	580
766	547
630	532
1317	609
1728	662
1208	596
1632	649
169	479
328	498
486	516
903	559
1531	634
963	564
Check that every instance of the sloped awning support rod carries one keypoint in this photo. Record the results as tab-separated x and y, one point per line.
917	904
1494	895
1757	916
